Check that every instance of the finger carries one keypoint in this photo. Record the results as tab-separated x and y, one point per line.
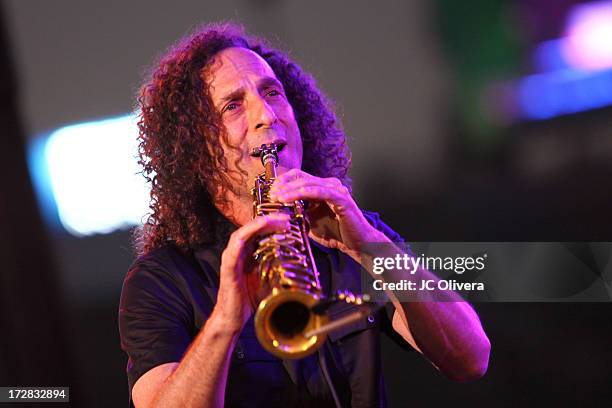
293	180
258	226
289	175
312	189
311	193
303	179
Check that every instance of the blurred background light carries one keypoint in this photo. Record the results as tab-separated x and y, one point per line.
92	172
588	42
544	96
548	56
573	73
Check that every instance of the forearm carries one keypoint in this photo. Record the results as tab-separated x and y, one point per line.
450	335
443	325
200	378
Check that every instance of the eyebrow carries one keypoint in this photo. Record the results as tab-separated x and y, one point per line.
263	83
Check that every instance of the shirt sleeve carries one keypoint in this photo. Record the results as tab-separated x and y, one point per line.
154	319
389	309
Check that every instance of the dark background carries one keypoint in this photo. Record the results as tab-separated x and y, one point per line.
406	77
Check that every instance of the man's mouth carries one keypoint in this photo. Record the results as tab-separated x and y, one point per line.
256	151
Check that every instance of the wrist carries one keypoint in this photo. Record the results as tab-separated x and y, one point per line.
371	243
374	236
223	325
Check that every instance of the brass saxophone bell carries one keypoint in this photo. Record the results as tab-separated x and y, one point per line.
288	323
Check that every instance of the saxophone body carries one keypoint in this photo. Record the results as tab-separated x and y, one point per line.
287	273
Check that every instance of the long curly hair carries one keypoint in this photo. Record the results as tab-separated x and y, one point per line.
179	132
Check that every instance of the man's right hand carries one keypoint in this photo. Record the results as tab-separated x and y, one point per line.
200	377
233	305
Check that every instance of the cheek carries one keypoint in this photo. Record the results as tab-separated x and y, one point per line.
235	130
231	149
298	139
300	149
289	119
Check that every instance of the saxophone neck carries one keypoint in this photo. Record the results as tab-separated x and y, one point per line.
269	159
270	170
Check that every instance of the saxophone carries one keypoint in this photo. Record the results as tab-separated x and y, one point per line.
290	321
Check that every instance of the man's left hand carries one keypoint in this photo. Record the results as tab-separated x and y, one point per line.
335	219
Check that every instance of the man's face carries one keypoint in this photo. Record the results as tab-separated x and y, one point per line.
254	110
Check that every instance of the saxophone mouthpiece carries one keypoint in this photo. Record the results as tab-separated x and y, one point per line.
258	151
268	153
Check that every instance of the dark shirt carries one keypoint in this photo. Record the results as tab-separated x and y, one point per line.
167	297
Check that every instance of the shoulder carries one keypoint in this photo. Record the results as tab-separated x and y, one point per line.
167	256
157	319
165	263
159	274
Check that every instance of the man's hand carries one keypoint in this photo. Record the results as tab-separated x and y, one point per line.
335	219
200	377
233	300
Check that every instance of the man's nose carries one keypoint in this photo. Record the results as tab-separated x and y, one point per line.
263	116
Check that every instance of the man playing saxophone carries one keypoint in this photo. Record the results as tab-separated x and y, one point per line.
186	319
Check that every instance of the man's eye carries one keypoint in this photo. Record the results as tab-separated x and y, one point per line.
274	92
230	106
